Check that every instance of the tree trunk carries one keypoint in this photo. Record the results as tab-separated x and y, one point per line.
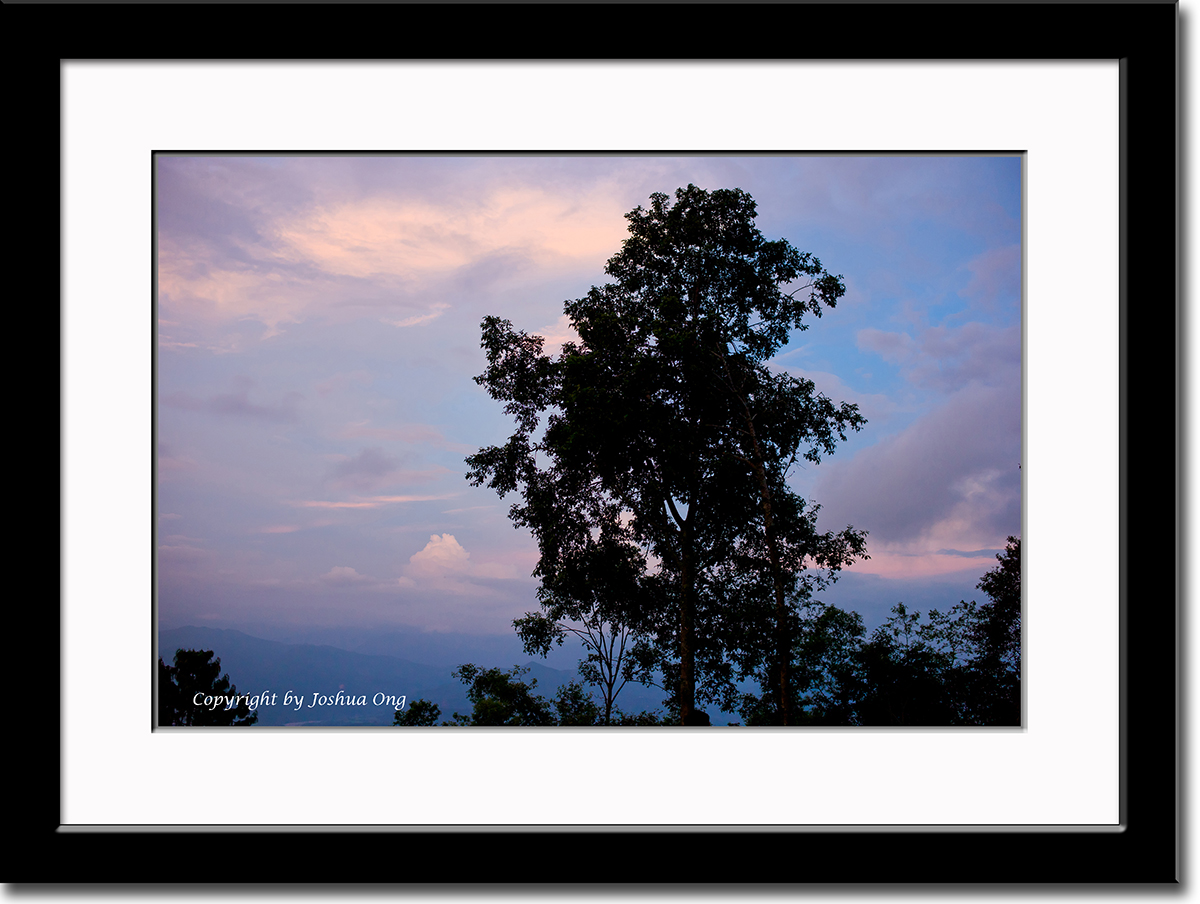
757	462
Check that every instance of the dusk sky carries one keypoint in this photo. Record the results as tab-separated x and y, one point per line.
319	331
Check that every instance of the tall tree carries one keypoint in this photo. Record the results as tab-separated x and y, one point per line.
667	409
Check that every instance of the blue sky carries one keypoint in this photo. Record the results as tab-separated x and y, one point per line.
319	329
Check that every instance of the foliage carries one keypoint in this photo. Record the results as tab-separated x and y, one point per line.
419	713
574	706
591	578
644	718
499	698
669	435
996	636
183	687
906	679
826	644
959	668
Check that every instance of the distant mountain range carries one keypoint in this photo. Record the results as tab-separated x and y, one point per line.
265	667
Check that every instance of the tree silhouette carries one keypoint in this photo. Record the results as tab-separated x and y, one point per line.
592	577
997	638
666	416
184	687
826	652
962	667
500	698
907	679
418	713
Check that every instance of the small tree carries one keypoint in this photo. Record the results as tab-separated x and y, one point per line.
907	676
499	698
194	677
996	635
593	576
575	706
419	713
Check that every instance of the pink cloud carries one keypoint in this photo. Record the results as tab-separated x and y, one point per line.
371	502
284	264
557	334
435	312
407	433
901	565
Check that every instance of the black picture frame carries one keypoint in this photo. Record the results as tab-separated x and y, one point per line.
1143	36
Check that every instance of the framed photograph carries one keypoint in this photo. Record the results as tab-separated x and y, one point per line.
999	218
272	349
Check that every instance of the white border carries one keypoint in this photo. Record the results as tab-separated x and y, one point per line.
1061	770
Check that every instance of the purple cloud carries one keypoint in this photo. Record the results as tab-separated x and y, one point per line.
238	404
950	480
370	470
945	358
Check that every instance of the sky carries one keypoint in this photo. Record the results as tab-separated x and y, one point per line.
318	332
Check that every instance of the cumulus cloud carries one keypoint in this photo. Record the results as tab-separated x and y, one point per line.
443	562
442	555
344	576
